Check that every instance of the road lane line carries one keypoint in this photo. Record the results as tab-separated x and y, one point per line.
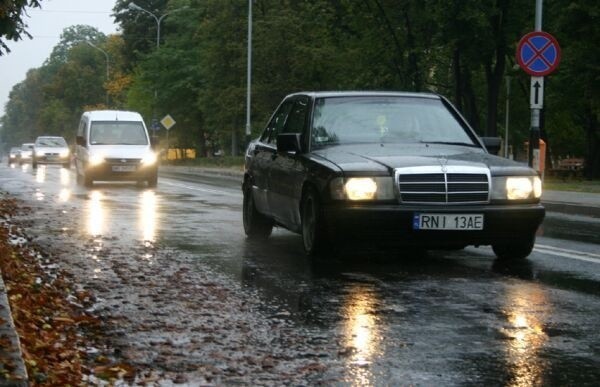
568	250
580	256
213	191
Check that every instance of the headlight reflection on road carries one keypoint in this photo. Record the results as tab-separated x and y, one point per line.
527	306
40	174
362	334
148	215
64	195
65	177
95	214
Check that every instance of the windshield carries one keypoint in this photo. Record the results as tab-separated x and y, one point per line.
385	119
118	133
51	142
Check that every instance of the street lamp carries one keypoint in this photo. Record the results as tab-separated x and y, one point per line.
107	66
134	7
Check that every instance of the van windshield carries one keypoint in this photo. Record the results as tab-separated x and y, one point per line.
118	133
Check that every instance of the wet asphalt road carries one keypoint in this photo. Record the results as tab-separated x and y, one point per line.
377	318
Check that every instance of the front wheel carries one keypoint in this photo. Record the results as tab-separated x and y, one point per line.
256	225
516	250
314	233
153	180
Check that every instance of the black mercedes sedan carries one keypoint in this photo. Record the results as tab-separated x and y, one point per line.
386	168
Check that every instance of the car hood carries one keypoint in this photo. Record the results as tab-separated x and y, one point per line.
121	151
384	158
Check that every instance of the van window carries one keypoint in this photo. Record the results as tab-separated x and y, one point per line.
118	133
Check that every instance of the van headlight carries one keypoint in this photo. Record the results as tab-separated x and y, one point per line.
362	188
516	187
95	160
149	159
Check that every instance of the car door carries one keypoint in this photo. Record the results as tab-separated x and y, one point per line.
263	154
287	172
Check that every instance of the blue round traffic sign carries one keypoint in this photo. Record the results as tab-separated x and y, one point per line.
538	53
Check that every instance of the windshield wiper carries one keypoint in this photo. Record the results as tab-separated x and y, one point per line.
450	143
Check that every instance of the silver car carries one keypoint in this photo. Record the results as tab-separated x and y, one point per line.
51	150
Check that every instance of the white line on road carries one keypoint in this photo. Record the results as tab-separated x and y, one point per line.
213	191
566	253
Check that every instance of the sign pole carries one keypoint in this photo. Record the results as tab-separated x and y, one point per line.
534	134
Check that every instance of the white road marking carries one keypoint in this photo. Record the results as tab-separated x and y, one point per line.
566	253
213	191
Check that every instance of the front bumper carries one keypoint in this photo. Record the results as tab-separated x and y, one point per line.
107	172
393	224
52	159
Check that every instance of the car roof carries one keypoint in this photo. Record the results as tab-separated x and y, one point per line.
113	115
365	93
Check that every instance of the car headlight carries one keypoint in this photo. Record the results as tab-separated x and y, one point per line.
149	159
96	160
517	187
64	153
362	188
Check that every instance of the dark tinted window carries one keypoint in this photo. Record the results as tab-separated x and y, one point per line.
296	121
277	123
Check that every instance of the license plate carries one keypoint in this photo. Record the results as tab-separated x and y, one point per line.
123	168
448	222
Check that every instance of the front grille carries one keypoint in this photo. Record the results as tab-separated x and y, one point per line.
120	161
443	185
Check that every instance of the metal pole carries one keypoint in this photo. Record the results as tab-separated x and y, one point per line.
507	115
534	135
249	72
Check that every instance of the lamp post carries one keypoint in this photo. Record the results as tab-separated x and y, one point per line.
107	66
507	120
249	72
133	6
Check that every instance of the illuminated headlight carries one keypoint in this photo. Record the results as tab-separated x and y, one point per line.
517	188
96	160
149	159
362	188
64	153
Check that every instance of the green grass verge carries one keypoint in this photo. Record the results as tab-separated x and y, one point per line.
229	162
574	185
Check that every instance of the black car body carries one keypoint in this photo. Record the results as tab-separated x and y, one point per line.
386	168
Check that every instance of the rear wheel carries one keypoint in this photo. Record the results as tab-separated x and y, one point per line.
516	250
314	233
256	225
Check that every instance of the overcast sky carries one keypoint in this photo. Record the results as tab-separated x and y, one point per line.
46	25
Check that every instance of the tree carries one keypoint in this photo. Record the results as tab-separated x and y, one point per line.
12	26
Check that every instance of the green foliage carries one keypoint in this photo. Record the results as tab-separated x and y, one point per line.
12	25
463	49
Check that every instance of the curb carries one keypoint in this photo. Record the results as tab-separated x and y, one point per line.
11	356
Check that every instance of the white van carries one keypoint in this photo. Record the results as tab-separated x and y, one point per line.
114	145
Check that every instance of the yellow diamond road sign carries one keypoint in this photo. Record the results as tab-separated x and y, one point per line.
167	121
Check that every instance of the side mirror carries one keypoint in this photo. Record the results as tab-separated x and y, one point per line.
492	144
289	142
79	140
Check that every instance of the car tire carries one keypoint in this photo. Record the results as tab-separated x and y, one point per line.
256	225
88	181
67	165
514	251
34	163
314	233
153	180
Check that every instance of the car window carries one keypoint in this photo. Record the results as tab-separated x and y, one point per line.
277	123
51	142
384	119
297	118
117	133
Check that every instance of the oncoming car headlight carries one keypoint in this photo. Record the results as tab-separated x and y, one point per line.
96	160
64	153
149	159
362	188
517	187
